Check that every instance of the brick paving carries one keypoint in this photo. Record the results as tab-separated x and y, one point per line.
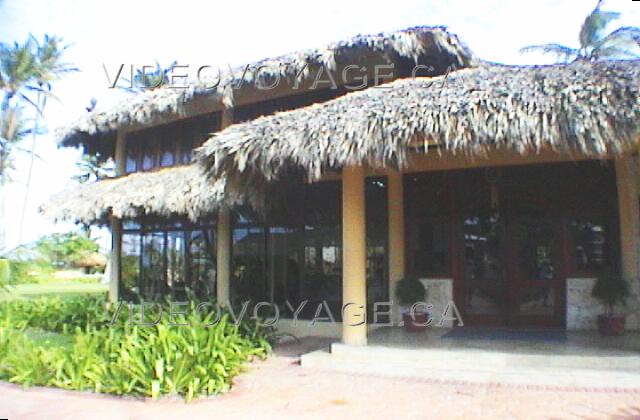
280	388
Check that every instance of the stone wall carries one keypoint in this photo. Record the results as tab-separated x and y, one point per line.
583	310
439	294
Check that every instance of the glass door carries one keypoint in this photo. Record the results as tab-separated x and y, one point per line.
486	288
535	270
483	253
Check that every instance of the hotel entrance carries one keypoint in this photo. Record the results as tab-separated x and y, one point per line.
511	271
509	237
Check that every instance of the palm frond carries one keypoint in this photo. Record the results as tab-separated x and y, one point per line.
620	43
560	51
594	25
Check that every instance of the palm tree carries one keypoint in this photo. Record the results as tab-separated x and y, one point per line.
144	80
594	44
26	70
13	129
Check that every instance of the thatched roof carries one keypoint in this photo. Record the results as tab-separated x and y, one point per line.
173	191
432	46
587	108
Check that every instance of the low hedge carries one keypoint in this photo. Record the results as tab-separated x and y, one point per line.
123	359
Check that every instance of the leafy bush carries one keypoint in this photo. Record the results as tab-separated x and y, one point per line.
409	291
5	272
57	314
36	263
26	265
64	249
124	358
610	289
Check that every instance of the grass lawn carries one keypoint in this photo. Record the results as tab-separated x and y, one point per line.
27	291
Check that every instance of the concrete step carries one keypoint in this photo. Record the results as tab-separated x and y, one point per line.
443	358
479	367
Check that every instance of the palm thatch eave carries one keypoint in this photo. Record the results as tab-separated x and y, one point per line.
433	45
584	108
179	191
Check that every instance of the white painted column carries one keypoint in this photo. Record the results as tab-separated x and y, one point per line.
354	260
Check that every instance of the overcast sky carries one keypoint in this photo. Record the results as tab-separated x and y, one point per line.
198	32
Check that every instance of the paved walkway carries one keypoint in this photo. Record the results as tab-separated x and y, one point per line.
280	388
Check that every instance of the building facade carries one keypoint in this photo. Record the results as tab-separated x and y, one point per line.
504	189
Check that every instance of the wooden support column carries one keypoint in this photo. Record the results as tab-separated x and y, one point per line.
354	259
223	238
119	158
114	260
626	180
395	208
223	256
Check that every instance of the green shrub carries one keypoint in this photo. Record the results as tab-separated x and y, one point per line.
5	272
64	249
125	359
26	269
611	289
409	291
56	314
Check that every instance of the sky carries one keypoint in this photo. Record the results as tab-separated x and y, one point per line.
233	33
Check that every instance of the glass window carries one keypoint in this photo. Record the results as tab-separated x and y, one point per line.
322	267
161	256
428	245
589	242
131	164
153	258
202	263
185	153
377	237
283	264
157	146
427	209
175	261
167	158
249	281
148	159
536	301
130	265
295	254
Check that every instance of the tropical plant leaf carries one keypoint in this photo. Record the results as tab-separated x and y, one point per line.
560	51
594	25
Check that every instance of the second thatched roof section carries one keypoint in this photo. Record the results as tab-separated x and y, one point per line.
433	46
586	108
179	191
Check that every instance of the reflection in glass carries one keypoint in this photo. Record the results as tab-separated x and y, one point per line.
167	158
377	237
249	281
202	264
535	237
322	265
283	264
147	160
131	165
152	264
536	301
175	261
486	288
129	265
429	245
589	239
